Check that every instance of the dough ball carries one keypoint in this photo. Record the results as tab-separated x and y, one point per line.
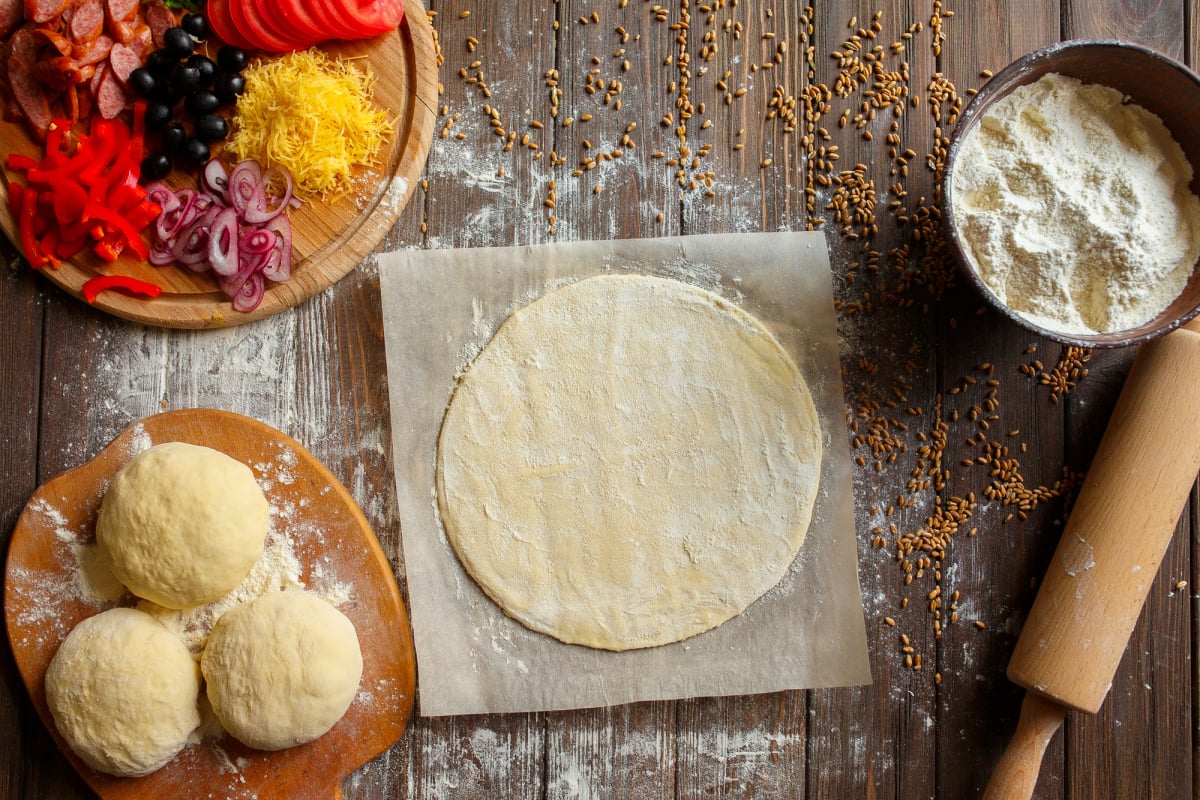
182	524
123	692
281	670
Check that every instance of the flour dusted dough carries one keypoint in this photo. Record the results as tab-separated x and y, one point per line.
182	524
122	690
630	461
281	670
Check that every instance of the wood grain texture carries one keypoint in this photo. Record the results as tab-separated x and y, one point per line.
316	372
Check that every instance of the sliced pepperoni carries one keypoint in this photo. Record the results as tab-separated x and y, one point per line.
45	10
111	97
12	14
159	18
87	23
29	96
123	60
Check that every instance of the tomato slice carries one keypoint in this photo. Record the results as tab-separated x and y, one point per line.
221	20
249	24
370	17
296	17
330	18
267	20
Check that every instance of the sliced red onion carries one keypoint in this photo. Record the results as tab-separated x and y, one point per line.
223	244
215	179
232	226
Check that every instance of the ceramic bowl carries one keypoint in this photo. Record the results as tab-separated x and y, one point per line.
1157	83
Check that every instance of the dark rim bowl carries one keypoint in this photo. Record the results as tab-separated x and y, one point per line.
1157	83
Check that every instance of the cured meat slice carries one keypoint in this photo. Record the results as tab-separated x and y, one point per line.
159	18
95	52
121	10
111	97
55	39
123	59
45	10
29	96
12	14
87	23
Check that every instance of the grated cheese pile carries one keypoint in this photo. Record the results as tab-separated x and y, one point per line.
311	115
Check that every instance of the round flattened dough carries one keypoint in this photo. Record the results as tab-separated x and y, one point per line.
182	524
122	690
629	461
281	670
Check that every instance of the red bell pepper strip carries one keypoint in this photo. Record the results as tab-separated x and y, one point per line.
69	200
109	247
28	223
94	286
22	162
133	236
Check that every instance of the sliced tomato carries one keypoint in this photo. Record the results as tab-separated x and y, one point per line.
295	16
331	18
220	19
267	23
250	26
372	17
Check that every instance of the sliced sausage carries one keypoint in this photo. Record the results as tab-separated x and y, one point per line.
95	51
159	18
29	96
120	10
55	39
12	14
25	45
97	77
123	60
111	98
142	42
87	23
45	10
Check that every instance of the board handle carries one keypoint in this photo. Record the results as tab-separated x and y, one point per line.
1016	774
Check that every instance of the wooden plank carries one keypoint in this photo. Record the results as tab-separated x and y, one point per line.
22	303
1138	741
990	576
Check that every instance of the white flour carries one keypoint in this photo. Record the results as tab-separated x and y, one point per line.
1075	207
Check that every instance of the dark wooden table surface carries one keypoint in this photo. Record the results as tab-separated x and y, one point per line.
627	118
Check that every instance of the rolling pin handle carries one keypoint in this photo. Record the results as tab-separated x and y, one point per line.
1016	774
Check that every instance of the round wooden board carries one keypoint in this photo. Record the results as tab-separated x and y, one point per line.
335	547
329	239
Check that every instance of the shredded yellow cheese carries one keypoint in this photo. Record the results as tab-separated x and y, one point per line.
311	115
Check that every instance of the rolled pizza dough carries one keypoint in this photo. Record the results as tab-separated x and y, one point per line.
630	461
122	690
281	670
182	524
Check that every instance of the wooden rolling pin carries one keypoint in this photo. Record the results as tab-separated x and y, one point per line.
1109	553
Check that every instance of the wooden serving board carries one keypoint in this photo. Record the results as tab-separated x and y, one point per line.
332	541
329	239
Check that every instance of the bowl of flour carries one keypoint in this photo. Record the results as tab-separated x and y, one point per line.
1071	193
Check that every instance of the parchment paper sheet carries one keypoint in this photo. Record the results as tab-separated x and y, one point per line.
440	307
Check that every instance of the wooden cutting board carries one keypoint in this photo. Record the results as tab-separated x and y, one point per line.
333	543
329	240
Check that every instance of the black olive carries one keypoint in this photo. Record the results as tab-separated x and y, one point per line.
184	81
158	114
142	81
207	67
156	166
202	102
196	25
173	137
196	152
211	128
232	59
177	42
228	86
160	63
